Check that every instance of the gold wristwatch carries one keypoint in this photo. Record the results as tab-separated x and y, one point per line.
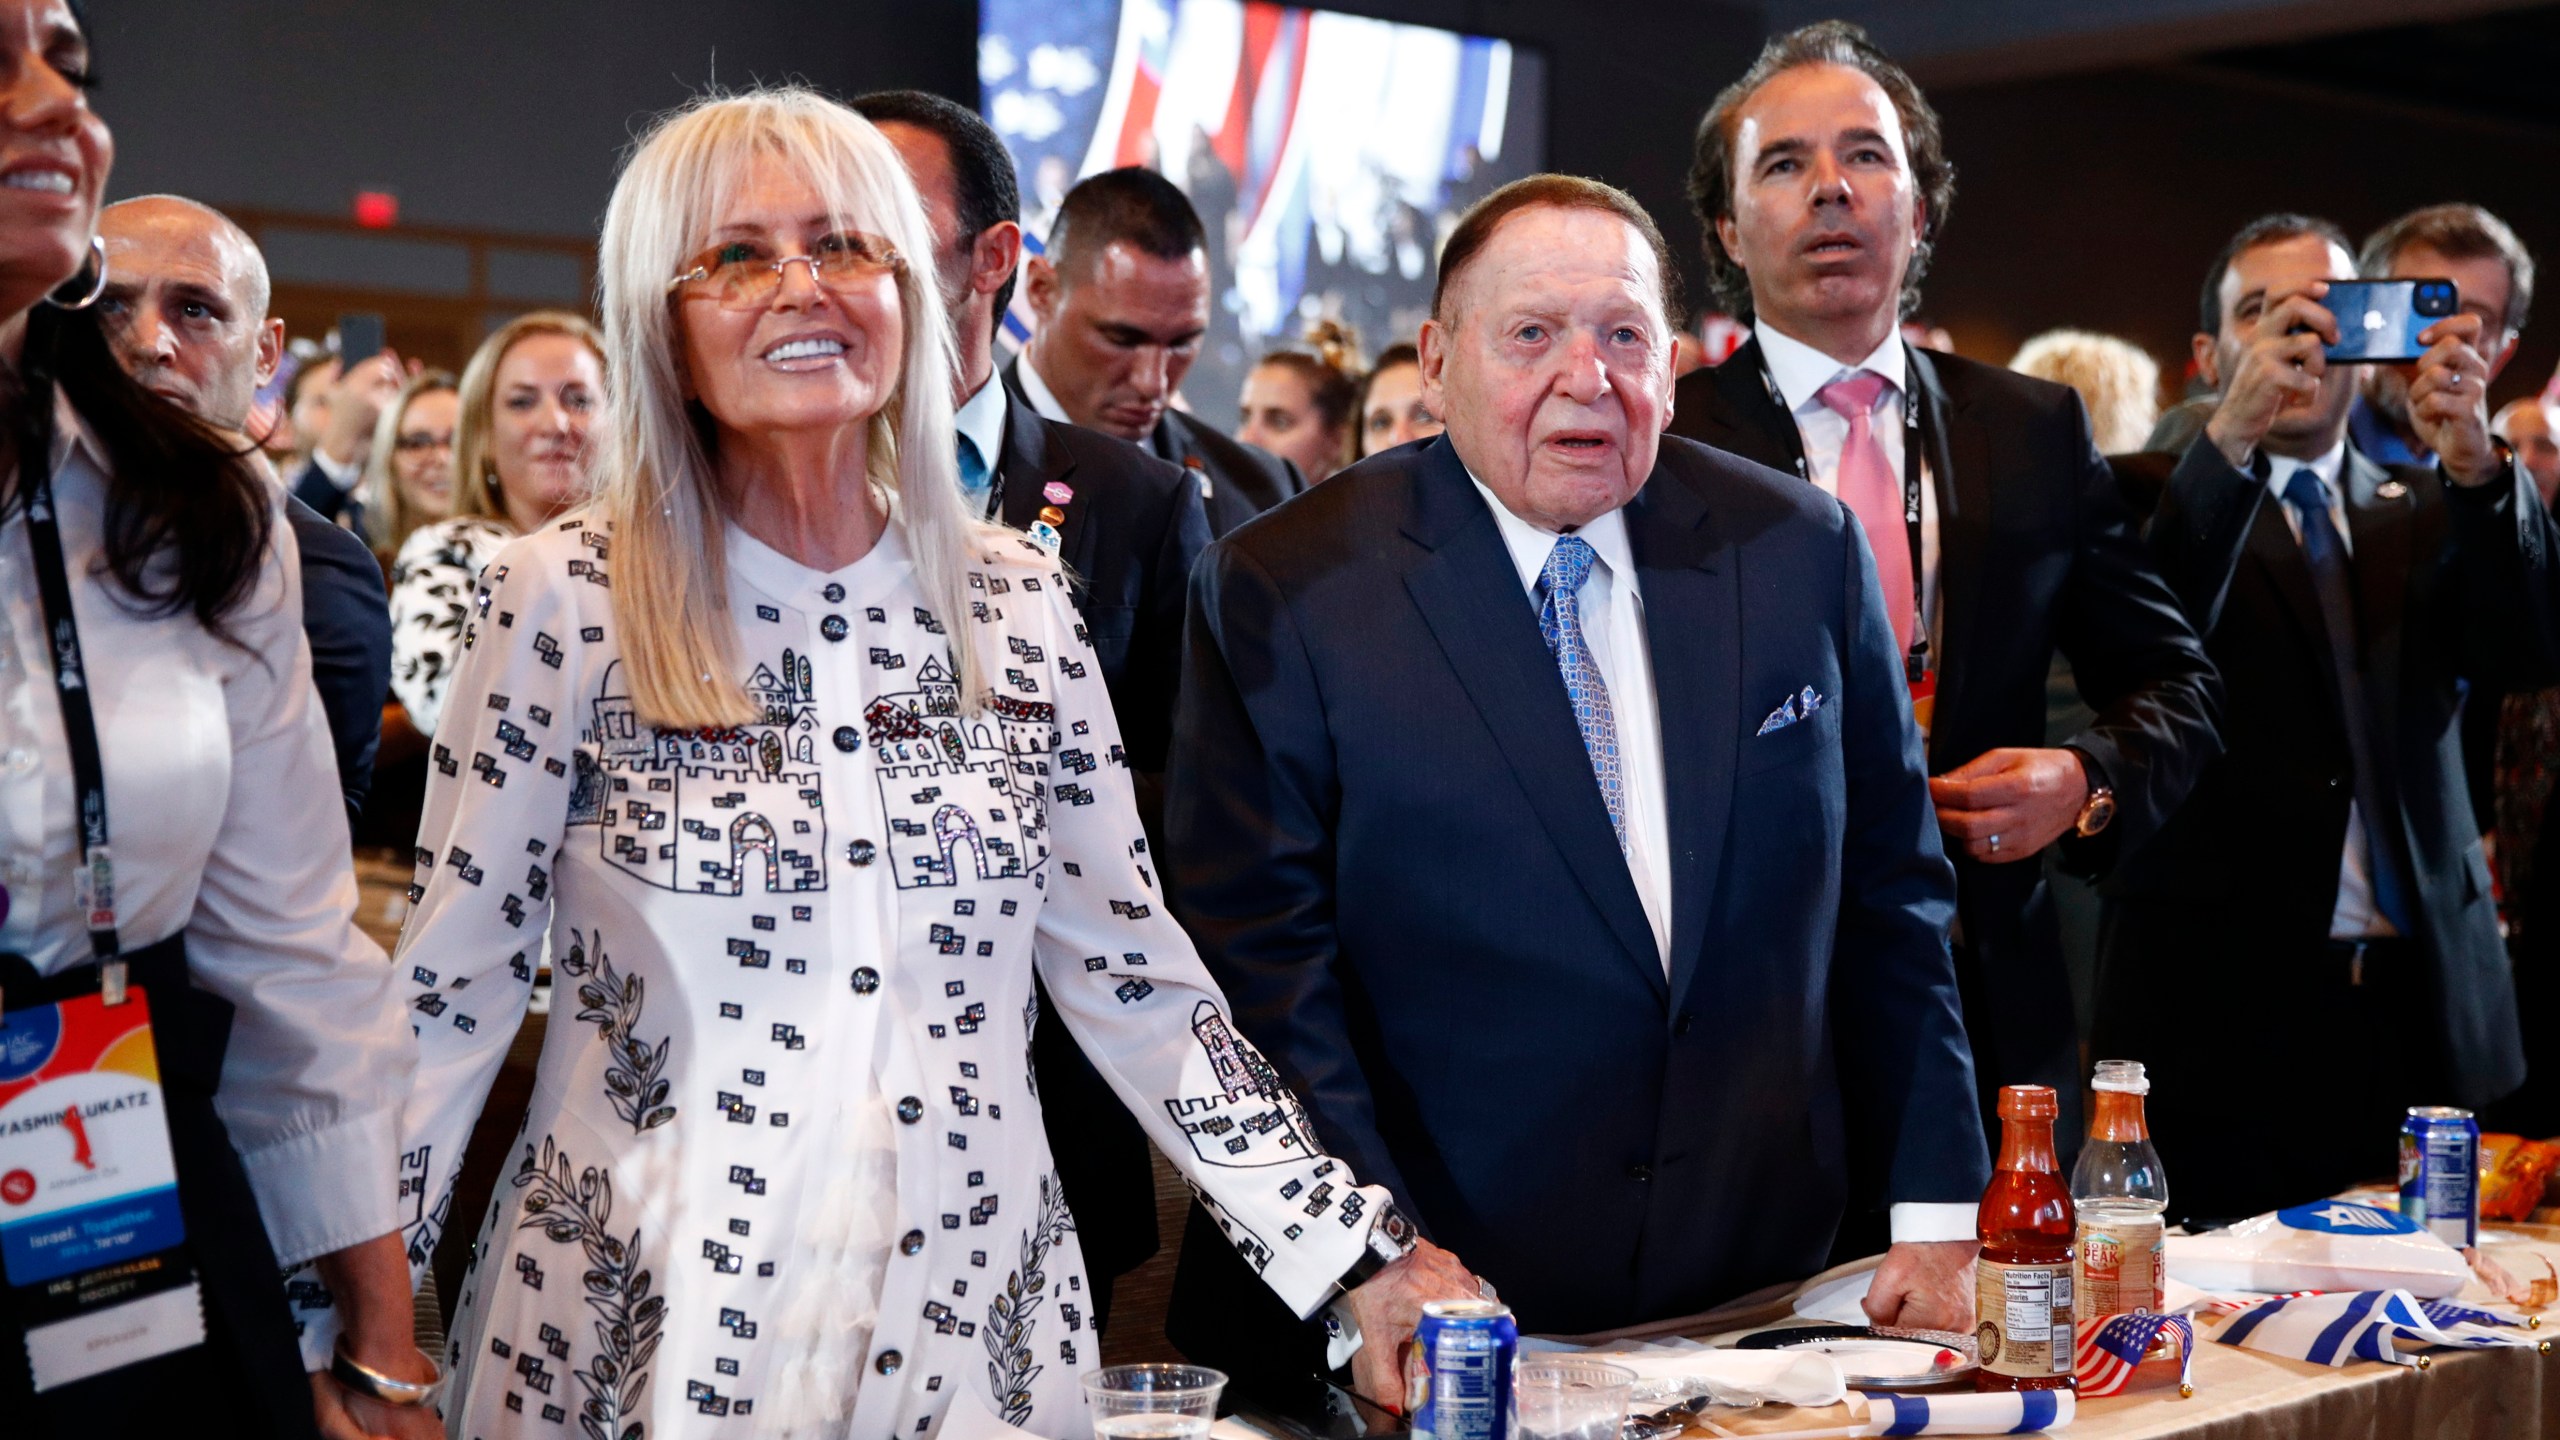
2099	810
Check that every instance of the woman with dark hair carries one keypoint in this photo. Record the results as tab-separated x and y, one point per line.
1298	404
1391	409
197	1047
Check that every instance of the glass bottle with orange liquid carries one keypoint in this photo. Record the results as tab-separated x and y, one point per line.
2023	1283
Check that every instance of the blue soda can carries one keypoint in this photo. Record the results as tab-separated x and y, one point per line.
2440	1173
1458	1376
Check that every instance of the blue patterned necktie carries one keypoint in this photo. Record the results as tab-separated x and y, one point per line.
2327	555
974	481
1560	621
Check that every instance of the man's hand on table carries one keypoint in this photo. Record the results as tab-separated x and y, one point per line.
1388	1307
1925	1285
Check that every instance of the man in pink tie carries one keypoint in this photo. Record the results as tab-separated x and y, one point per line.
1998	532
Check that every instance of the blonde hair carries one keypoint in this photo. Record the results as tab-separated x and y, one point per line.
2117	381
390	516
476	489
658	485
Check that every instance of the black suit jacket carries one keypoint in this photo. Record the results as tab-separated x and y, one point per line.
313	487
1388	842
346	614
2451	585
1133	527
1243	481
2036	551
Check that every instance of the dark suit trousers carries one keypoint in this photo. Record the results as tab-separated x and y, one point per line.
2276	1077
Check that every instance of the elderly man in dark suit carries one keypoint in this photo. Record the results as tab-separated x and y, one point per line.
186	306
1122	299
1546	799
2321	909
1999	532
1129	526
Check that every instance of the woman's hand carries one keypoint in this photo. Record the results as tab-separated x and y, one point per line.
370	1284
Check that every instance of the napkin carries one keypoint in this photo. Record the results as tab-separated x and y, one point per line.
1667	1376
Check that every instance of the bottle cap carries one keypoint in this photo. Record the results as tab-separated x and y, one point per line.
2027	1102
2122	1076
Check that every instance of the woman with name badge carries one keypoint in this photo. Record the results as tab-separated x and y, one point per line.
198	1051
804	771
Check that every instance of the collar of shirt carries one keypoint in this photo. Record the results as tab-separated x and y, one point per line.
982	419
2329	468
1530	545
1800	371
1036	390
345	477
71	433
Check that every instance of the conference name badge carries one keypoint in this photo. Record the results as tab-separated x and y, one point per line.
91	1240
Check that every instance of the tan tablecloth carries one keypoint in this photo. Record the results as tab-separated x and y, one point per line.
2511	1394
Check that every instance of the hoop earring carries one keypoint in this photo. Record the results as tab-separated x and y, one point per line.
97	285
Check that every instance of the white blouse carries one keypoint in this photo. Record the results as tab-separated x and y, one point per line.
222	807
783	1166
432	579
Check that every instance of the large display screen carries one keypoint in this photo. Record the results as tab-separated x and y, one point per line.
1328	154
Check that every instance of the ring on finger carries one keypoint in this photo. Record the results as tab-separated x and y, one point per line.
1995	843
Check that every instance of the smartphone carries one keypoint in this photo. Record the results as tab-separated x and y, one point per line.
359	339
2379	320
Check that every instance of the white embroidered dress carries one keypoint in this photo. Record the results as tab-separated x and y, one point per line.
784	1169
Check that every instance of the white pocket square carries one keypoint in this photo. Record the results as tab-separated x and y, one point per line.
1799	706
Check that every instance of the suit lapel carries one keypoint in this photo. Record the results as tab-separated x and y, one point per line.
1692	621
1958	455
2378	529
2272	545
1470	595
1743	418
1031	463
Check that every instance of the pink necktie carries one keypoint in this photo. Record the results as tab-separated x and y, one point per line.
1873	493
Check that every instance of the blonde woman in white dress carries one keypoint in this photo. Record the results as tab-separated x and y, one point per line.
804	771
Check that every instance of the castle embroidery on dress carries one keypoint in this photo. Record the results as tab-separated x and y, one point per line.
961	794
713	812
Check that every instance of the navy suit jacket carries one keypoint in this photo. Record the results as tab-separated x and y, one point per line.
346	615
1386	837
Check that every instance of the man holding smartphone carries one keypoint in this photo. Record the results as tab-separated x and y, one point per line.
2492	271
2321	906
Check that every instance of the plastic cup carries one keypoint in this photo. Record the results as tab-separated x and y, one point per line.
1153	1402
1567	1399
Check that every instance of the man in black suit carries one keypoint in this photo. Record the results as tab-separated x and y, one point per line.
1999	532
1122	300
1546	801
1129	527
2318	916
186	307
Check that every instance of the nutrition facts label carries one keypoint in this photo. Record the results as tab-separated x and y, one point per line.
2024	1310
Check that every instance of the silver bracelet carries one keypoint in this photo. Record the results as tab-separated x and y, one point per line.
372	1383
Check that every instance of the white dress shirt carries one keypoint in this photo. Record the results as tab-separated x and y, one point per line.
222	809
1800	372
2355	916
1613	626
345	474
1037	391
982	419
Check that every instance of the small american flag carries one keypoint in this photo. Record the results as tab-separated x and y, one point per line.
2110	1347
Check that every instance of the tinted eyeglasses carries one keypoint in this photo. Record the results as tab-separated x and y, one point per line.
744	274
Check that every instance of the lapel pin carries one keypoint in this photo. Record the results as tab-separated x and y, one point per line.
2390	490
1045	535
1057	492
1052	515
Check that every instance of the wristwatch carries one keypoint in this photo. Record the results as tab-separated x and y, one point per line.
2099	810
1391	1238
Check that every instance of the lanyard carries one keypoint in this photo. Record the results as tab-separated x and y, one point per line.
96	879
1915	665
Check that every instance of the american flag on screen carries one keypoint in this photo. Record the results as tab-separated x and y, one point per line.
2110	1347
